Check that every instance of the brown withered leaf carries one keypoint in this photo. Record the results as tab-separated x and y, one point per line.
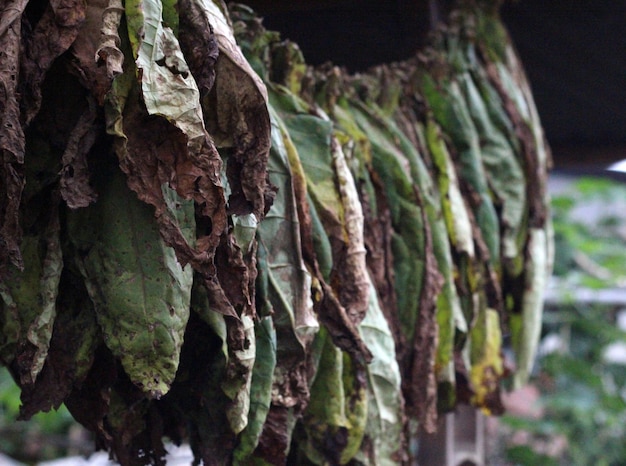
75	186
276	437
11	136
53	34
378	230
74	340
349	273
109	53
156	153
198	43
96	52
421	384
237	117
329	309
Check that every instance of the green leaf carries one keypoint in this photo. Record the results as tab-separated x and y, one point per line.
28	300
487	366
260	392
503	171
526	326
384	429
332	191
168	88
238	381
335	418
451	112
140	290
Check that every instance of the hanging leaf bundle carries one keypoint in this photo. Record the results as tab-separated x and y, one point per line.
204	239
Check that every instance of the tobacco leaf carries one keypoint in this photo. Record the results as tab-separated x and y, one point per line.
487	367
108	51
334	421
238	379
505	73
377	225
451	112
140	289
184	156
76	189
202	371
418	277
453	205
75	337
260	392
97	56
507	76
384	441
351	270
289	282
458	220
285	294
29	297
526	325
312	135
275	440
500	157
53	34
89	401
11	137
198	42
237	117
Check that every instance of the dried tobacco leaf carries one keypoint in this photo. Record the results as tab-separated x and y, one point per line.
377	222
53	34
334	421
526	326
312	135
451	112
487	367
505	74
439	204
75	337
11	137
202	370
238	378
500	157
29	297
418	279
384	441
238	118
185	156
261	390
76	189
97	56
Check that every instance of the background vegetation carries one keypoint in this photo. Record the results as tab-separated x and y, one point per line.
583	385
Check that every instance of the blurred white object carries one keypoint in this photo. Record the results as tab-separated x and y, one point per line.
552	343
618	166
615	353
176	456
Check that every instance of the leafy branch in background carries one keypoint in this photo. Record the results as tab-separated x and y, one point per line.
589	234
583	388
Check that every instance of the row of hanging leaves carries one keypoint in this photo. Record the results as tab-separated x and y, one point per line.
204	239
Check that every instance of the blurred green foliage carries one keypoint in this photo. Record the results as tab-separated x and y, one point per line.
583	394
45	436
590	234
